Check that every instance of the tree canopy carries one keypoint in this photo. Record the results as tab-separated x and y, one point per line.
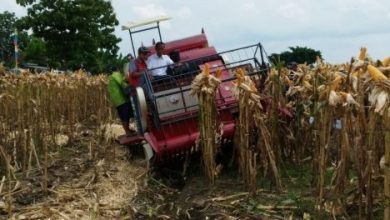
36	51
7	21
77	33
296	54
7	29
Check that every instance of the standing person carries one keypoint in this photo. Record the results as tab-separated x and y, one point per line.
117	87
138	68
128	65
158	62
137	79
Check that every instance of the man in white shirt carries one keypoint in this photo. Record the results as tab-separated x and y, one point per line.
158	62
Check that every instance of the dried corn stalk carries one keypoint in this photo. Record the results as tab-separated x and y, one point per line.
379	99
246	94
387	168
204	86
36	108
252	136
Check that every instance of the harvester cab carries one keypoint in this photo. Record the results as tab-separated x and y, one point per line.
165	111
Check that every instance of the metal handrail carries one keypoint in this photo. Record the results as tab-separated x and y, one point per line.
259	68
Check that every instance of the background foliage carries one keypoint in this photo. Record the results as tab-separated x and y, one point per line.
296	54
78	34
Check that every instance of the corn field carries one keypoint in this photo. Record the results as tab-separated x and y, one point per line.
341	121
334	117
39	115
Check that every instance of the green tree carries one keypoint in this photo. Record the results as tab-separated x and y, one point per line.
296	54
35	52
78	33
7	22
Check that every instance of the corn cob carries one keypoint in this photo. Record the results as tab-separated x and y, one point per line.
355	74
286	80
386	61
375	73
218	73
347	98
240	76
307	85
362	54
206	70
336	83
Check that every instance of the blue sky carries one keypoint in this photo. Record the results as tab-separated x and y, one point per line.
338	28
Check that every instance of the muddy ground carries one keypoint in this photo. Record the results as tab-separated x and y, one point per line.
112	182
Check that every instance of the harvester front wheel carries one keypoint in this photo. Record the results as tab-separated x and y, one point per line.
140	110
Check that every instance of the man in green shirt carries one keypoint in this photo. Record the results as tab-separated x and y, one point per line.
117	85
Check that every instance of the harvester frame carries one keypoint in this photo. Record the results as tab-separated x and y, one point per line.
166	114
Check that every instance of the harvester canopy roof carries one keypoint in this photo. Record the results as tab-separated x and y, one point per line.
134	24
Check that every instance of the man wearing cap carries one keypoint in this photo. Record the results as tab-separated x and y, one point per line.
158	62
138	67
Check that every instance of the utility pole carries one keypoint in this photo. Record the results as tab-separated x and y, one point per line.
16	49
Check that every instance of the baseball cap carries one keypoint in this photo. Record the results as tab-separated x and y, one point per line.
129	55
143	49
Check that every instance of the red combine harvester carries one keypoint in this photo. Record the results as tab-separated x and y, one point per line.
166	113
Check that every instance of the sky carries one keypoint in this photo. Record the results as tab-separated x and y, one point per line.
337	28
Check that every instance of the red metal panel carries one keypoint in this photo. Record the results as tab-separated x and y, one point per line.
185	44
175	137
197	53
179	137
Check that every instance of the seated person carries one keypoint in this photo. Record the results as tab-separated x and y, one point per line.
157	63
175	57
179	67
